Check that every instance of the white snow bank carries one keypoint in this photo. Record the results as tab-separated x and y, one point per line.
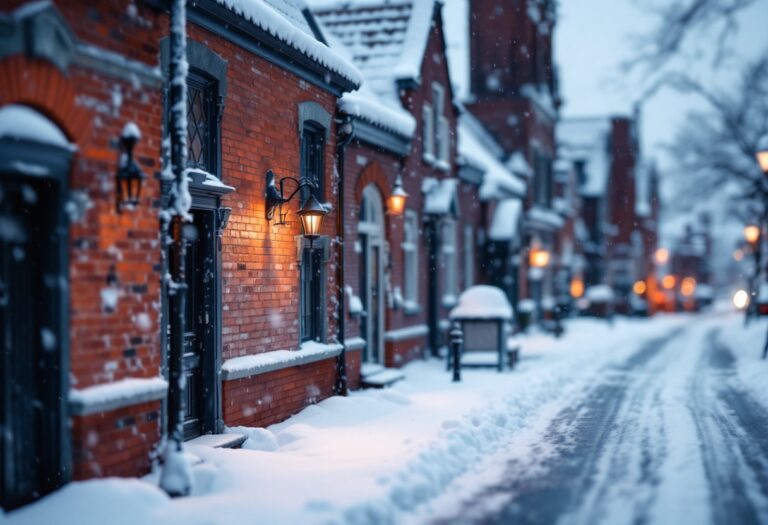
24	123
482	302
249	365
270	20
124	392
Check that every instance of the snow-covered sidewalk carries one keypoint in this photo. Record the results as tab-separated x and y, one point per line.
374	457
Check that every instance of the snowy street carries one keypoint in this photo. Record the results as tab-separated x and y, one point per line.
650	421
668	435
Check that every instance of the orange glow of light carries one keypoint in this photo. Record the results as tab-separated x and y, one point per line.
539	258
639	287
738	255
662	256
668	282
688	286
751	234
577	288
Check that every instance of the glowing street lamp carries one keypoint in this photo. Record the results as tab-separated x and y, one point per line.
577	287
668	282
639	287
762	153
751	234
662	256
741	299
688	286
539	258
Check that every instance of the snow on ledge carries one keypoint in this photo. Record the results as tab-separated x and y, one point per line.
251	365
111	396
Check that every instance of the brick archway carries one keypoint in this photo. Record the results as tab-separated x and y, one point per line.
372	174
40	85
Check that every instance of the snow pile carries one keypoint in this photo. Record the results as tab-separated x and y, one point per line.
270	20
482	302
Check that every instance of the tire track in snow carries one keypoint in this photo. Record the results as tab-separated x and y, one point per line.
731	427
561	482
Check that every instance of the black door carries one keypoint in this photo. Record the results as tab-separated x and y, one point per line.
198	337
30	339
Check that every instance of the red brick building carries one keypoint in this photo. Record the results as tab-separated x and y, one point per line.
405	271
513	92
82	283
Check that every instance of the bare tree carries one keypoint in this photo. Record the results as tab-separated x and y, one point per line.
677	23
714	150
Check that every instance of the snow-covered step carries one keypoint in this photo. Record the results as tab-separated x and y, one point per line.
233	440
369	369
385	377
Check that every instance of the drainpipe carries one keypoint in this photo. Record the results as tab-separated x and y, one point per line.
344	132
432	299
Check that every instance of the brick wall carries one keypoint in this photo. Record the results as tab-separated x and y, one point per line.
269	398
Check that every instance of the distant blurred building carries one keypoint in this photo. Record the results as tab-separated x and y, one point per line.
617	222
514	93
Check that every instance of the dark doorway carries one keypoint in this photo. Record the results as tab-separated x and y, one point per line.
32	275
199	338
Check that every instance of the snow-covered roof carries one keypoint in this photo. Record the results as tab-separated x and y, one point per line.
505	224
519	165
24	123
477	148
368	106
440	196
482	302
586	139
386	38
285	20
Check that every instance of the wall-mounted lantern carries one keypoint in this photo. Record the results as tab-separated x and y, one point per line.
577	287
397	198
129	177
311	212
639	288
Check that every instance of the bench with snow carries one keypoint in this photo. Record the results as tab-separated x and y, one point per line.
485	314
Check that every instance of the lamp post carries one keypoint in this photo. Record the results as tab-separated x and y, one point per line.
752	237
538	258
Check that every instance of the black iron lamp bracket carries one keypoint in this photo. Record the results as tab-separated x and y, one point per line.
275	197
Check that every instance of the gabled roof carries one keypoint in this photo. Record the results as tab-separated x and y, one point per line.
586	139
477	148
285	20
387	39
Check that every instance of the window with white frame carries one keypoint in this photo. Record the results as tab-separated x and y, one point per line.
440	130
450	286
428	133
469	256
410	248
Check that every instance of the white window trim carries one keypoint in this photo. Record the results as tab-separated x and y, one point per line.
410	249
428	133
450	270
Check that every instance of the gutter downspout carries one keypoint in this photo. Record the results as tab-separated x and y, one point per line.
344	133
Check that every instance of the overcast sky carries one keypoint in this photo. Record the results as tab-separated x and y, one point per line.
594	36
